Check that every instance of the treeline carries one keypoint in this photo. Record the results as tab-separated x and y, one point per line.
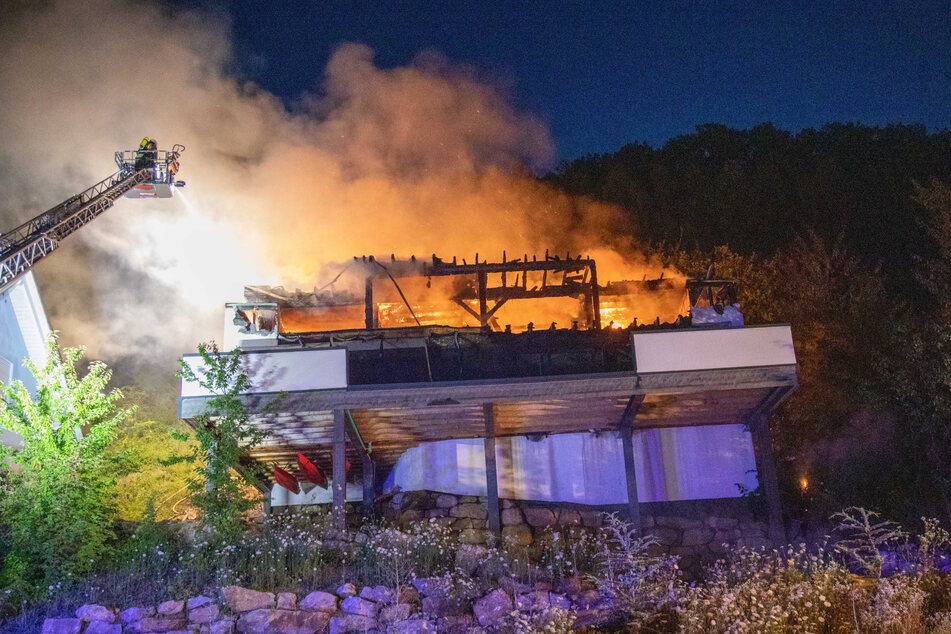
845	233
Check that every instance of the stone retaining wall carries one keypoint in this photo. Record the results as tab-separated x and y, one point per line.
695	530
423	606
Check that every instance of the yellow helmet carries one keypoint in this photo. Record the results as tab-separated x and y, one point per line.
145	141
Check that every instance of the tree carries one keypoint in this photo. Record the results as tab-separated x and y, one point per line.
58	487
223	434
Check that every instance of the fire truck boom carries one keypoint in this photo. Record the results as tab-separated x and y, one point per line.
24	246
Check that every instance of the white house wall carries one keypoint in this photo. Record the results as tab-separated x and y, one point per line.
24	330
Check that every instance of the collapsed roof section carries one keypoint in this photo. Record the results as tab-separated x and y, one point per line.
565	293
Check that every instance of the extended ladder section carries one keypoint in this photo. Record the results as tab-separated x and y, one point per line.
29	243
22	247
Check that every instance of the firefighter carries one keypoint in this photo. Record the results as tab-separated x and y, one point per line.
151	158
141	153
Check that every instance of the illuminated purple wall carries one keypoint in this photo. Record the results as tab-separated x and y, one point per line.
672	464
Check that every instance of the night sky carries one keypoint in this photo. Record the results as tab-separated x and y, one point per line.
605	74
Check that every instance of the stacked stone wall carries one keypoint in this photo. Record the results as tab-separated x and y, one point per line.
698	531
424	606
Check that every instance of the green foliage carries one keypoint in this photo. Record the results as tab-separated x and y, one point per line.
755	189
224	434
59	486
145	440
147	534
844	232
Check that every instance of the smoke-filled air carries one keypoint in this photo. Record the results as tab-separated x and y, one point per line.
420	159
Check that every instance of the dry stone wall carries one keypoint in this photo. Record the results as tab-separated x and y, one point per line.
698	531
423	606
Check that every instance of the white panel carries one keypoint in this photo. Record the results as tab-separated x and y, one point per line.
282	371
31	317
282	497
6	371
676	350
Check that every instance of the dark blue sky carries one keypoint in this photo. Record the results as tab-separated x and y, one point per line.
605	74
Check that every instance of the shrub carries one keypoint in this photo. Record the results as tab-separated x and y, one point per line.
793	590
394	556
58	490
897	605
931	541
219	488
570	552
552	620
433	549
145	437
862	538
641	585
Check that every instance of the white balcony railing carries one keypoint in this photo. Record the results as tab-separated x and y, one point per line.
683	350
282	371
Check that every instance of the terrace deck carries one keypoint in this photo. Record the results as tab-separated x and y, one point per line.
373	394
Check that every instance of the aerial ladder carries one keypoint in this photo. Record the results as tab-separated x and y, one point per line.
142	173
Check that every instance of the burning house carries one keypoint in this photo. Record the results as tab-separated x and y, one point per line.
521	381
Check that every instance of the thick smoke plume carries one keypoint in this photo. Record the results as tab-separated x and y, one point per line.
426	158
